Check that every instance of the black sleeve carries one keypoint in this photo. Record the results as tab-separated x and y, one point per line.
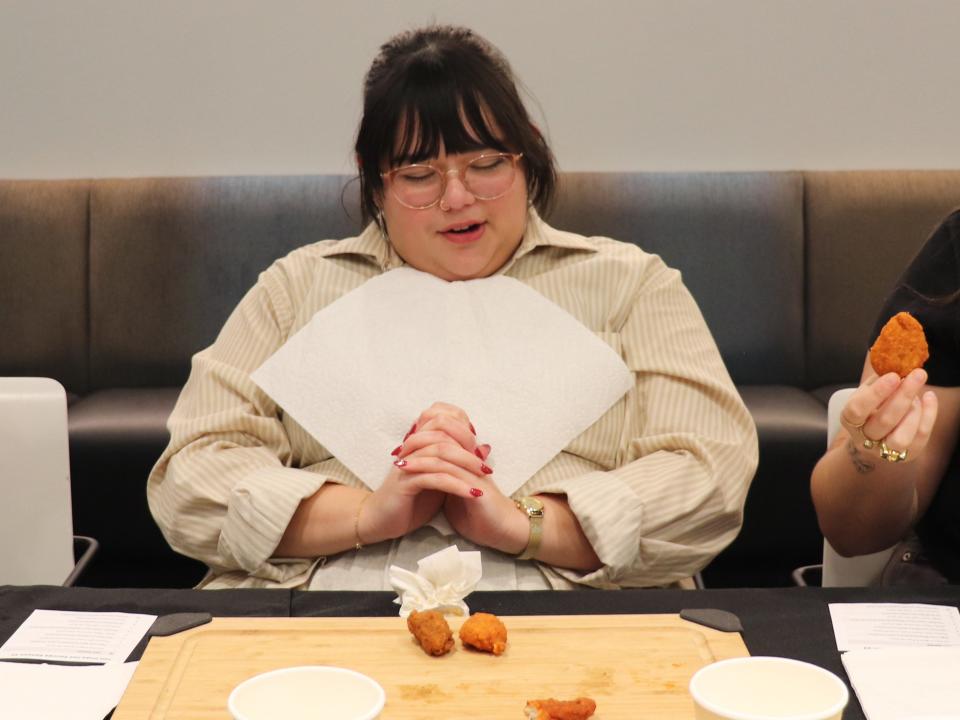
929	290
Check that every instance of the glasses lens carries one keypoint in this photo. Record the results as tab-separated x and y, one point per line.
489	176
417	186
486	177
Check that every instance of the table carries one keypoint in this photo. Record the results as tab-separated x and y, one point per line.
789	622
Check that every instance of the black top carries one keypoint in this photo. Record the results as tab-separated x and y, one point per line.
929	290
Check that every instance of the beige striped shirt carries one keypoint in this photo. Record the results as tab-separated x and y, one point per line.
658	483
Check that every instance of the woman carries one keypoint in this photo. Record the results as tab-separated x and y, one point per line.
453	171
893	472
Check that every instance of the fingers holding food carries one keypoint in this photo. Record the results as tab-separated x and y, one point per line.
484	632
550	709
431	630
903	434
913	431
866	400
929	407
890	409
900	347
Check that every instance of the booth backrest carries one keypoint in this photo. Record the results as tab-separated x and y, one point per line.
110	286
736	237
45	280
108	283
862	229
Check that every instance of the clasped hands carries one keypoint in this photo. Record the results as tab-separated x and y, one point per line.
441	465
891	417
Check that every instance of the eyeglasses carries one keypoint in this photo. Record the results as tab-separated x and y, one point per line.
420	186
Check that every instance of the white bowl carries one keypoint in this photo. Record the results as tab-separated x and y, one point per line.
767	688
308	692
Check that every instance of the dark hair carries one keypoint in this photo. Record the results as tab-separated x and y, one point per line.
445	84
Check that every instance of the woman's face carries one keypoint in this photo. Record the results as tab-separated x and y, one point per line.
461	237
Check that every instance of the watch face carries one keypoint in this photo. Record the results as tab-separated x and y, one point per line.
532	506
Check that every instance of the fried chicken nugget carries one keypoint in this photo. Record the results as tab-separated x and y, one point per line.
431	630
550	709
901	346
485	632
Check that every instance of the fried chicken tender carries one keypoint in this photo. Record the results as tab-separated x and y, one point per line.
431	630
550	709
485	632
901	346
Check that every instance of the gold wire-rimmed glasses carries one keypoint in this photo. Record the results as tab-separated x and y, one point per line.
421	186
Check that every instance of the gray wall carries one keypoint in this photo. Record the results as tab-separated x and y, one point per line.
100	88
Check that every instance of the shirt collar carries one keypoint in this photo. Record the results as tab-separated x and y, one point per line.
539	234
371	243
374	244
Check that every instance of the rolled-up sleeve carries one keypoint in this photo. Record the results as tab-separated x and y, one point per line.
687	450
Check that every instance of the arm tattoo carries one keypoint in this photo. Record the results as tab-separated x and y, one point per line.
862	464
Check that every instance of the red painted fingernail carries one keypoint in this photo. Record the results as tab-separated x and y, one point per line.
476	451
472	429
485	449
396	450
476	492
400	462
486	470
411	431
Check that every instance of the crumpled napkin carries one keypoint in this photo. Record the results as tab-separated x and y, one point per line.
441	583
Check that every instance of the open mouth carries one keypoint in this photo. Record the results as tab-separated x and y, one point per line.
463	229
465	232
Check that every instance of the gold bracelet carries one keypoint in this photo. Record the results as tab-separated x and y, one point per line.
358	545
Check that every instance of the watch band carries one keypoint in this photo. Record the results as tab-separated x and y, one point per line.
533	508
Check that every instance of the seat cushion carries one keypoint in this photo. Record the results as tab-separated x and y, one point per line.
780	529
115	437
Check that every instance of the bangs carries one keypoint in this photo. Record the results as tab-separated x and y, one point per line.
444	88
435	118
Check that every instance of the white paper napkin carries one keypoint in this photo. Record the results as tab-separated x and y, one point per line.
906	683
530	376
441	582
62	692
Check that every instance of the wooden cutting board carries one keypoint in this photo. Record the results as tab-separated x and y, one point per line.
634	666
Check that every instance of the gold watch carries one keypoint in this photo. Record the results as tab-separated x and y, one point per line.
533	508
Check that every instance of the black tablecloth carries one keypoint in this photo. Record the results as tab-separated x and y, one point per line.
788	622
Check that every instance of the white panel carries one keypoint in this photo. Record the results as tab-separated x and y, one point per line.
36	526
860	570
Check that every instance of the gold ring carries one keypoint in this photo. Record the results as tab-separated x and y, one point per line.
868	443
893	456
